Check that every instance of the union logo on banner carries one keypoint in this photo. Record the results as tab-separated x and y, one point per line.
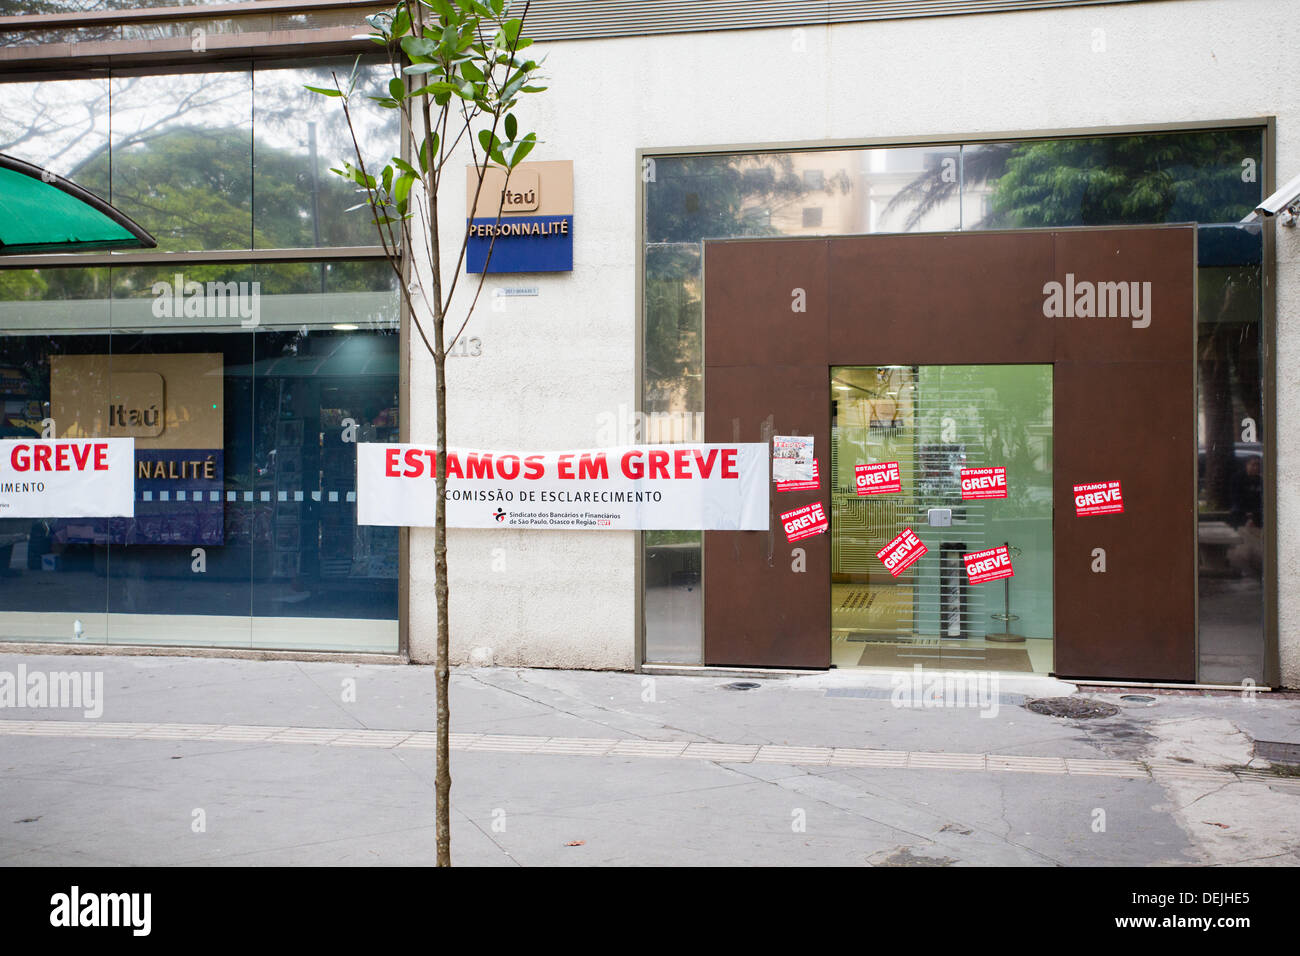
993	564
903	552
1098	498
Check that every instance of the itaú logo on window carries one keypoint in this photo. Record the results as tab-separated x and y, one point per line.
1100	300
136	406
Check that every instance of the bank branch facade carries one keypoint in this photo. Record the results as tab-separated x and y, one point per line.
967	350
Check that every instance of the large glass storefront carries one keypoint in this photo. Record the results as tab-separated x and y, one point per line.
246	375
1209	176
245	529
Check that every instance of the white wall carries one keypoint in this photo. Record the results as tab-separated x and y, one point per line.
553	364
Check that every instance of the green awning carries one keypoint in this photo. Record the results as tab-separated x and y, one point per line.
42	212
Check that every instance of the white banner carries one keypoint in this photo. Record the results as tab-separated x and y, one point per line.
650	487
67	477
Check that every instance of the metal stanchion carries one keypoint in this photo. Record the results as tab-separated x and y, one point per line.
1006	617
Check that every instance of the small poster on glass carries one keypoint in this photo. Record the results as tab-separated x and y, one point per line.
792	458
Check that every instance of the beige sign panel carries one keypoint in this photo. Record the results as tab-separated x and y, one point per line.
163	401
533	189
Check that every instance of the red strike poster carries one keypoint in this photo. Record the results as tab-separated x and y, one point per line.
993	564
977	483
880	478
805	522
901	553
1098	498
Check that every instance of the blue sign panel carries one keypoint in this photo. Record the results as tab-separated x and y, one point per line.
523	244
178	500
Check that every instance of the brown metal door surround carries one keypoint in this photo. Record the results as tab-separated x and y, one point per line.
779	313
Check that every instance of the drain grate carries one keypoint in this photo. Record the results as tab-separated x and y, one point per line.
1278	751
1138	700
1078	708
742	685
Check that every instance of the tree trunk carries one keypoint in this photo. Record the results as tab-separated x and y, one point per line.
443	781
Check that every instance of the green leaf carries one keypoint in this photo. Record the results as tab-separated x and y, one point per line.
471	72
356	72
402	22
512	126
415	69
487	140
396	88
418	47
515	84
404	166
522	149
434	88
429	146
403	190
323	91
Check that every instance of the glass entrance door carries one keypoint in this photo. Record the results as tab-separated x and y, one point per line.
960	456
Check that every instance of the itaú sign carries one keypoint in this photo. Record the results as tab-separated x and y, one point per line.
709	487
526	220
67	478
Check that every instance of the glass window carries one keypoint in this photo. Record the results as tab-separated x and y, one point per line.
255	382
1199	176
60	125
299	136
182	156
236	158
1231	431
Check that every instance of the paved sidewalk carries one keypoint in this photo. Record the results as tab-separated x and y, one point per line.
209	761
